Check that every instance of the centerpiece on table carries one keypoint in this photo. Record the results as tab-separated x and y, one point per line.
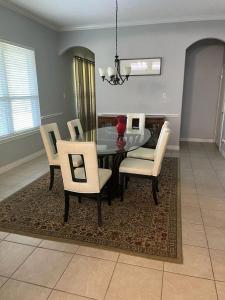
121	125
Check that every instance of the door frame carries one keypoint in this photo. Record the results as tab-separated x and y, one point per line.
220	110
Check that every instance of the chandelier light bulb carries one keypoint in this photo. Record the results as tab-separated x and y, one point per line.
102	72
127	70
111	71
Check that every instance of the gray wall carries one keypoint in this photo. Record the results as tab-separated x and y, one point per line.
50	74
204	62
150	94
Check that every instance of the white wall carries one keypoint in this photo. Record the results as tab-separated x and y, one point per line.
204	61
150	94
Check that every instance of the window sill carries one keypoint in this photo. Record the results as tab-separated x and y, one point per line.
19	136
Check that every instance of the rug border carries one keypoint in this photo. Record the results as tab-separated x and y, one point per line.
178	259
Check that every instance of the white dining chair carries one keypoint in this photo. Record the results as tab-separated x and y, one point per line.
145	168
86	180
50	135
141	121
147	153
75	129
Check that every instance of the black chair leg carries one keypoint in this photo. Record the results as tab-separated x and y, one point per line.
101	161
79	199
67	205
121	186
157	185
52	173
109	190
154	188
99	210
126	182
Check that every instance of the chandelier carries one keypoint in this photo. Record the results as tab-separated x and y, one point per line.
115	78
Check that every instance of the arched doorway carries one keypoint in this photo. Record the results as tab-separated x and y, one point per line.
80	84
202	95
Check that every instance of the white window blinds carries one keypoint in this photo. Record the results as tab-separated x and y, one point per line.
19	101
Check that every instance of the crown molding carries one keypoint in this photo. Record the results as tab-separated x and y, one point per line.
28	14
143	23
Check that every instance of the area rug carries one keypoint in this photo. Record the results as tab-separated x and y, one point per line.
135	226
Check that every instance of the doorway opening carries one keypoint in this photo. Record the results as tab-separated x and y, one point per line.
204	93
80	64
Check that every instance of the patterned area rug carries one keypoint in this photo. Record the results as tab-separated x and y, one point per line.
135	226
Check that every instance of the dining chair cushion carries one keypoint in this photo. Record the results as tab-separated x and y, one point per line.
104	175
146	153
142	153
136	166
147	167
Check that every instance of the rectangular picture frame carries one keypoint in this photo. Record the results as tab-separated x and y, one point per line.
142	66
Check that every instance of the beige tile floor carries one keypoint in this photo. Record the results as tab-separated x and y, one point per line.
41	269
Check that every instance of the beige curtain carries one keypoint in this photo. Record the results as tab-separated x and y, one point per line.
84	78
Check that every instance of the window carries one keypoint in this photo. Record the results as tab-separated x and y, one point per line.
19	101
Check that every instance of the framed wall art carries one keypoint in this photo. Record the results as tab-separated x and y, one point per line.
142	66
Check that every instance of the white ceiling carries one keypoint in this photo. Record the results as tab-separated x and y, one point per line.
82	14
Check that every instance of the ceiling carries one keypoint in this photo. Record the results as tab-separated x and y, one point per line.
83	14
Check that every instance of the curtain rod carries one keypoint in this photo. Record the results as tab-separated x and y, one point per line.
85	59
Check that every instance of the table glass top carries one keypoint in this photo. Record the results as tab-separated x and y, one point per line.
108	142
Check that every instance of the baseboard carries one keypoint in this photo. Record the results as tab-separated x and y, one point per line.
197	140
173	147
21	161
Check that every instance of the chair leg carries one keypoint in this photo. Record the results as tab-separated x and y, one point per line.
52	173
101	161
67	205
121	186
154	188
99	210
157	185
126	182
79	199
109	190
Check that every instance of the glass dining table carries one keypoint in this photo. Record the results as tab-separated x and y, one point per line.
112	149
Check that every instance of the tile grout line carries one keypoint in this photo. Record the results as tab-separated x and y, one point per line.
100	258
10	277
27	282
63	272
111	276
143	267
206	239
23	260
66	292
191	276
218	179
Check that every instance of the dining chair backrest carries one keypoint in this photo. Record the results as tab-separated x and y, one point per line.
141	121
50	135
90	183
165	125
75	129
160	151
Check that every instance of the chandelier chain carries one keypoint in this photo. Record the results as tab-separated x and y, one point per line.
116	26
